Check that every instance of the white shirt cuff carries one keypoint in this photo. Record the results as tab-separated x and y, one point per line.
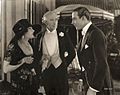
93	89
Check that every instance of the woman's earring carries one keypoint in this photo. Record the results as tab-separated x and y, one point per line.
23	37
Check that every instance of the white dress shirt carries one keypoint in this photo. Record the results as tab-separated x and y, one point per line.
84	31
51	48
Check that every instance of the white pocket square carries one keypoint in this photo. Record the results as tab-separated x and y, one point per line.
86	46
65	54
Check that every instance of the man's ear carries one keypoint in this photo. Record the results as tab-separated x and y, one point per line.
83	17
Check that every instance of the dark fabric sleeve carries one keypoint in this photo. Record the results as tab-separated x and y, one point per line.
37	55
70	48
100	56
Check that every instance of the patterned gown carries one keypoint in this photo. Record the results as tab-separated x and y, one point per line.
22	78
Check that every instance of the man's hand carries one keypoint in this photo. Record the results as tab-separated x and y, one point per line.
91	92
27	60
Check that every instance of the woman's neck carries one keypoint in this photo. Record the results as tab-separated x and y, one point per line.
24	40
25	46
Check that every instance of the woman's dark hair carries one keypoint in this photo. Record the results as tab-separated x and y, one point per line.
21	27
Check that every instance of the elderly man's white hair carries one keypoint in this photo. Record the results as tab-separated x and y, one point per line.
50	15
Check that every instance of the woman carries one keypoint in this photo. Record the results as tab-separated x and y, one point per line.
19	59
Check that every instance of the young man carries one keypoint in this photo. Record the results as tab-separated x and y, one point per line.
57	53
92	53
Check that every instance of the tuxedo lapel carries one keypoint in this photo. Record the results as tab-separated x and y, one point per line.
40	41
86	37
59	42
84	40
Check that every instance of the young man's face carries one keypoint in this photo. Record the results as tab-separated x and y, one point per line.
77	21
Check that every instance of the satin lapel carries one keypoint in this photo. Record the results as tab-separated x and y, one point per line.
86	37
41	40
59	42
84	40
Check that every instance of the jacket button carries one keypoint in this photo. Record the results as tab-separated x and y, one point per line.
89	62
65	54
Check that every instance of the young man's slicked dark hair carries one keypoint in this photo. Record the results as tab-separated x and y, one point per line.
82	11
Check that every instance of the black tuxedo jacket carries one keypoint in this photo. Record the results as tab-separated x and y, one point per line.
93	57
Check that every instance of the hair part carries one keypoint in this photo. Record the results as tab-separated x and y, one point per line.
82	11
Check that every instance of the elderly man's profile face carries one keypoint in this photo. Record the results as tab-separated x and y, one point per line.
50	20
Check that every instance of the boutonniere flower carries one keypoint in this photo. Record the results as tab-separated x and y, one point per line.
65	54
86	46
61	34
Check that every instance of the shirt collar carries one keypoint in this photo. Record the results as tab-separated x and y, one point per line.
85	29
48	31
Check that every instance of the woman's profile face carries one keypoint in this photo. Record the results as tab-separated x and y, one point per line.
29	33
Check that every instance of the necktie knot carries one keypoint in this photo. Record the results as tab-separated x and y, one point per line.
80	33
80	36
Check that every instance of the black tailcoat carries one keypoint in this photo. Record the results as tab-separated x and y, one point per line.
93	57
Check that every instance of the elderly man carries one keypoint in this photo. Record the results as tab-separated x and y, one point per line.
56	53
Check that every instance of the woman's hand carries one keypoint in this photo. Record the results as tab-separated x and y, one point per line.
27	60
7	67
45	60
